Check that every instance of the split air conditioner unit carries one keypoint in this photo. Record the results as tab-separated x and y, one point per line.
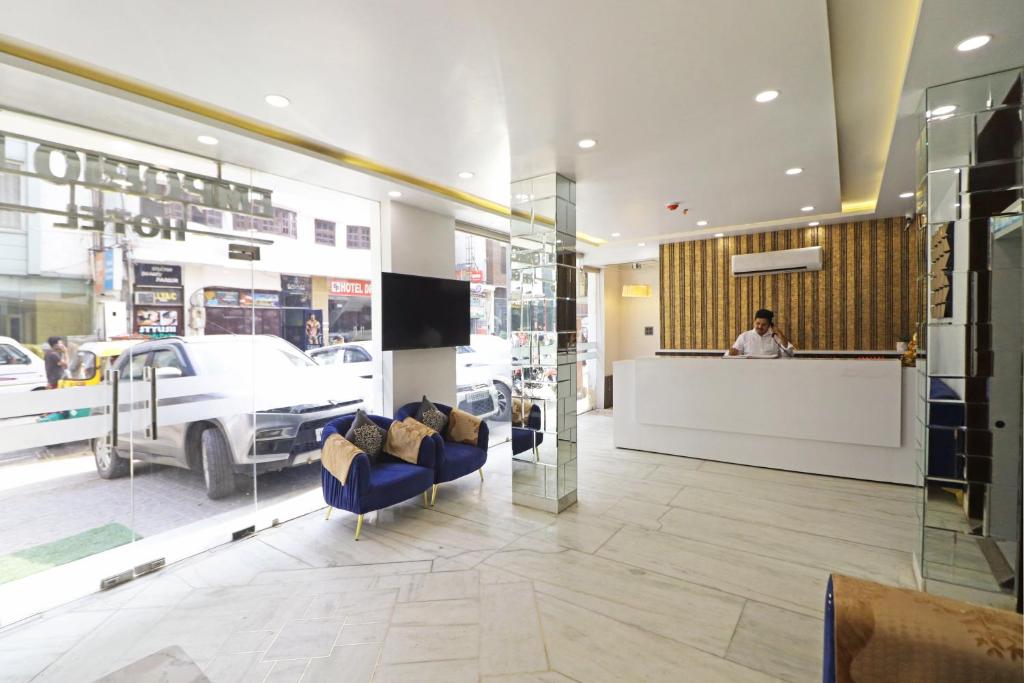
786	261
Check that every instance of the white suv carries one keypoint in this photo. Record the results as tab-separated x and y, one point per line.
20	369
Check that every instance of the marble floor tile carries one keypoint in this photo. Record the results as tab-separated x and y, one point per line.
569	532
461	562
305	576
653	602
170	665
28	648
538	677
439	612
855	486
639	489
353	663
236	668
779	642
241	642
305	638
589	647
784	584
510	637
360	634
431	643
894	534
893	567
234	564
433	586
287	671
638	513
459	671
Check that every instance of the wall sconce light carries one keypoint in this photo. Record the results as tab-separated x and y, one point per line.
636	291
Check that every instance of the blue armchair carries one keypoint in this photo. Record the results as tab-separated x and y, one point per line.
370	485
530	436
453	460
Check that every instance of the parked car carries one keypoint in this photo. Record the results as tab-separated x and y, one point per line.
223	445
20	369
476	393
488	358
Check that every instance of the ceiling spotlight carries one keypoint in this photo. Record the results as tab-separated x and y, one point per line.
701	224
616	234
394	193
973	43
906	195
641	244
767	96
207	139
943	110
814	224
465	175
719	234
794	171
279	101
807	208
586	143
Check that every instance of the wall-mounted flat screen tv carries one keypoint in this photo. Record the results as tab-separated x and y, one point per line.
423	312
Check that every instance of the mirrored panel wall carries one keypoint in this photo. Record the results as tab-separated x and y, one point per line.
544	342
970	158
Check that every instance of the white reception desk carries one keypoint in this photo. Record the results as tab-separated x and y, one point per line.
844	418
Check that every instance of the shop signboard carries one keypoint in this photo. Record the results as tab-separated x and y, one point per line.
159	297
157	322
221	297
157	275
346	287
296	291
259	299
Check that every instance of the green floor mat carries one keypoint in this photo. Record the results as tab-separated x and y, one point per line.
41	557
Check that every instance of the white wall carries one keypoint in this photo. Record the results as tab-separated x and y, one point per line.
625	318
418	242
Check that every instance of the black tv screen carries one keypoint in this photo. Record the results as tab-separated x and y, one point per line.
423	312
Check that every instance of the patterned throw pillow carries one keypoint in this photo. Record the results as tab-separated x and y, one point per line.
429	415
366	435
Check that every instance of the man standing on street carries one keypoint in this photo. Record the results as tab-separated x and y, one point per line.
56	360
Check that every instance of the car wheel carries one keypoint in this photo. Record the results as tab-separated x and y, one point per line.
504	402
109	464
218	472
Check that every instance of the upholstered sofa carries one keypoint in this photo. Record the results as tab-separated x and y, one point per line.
378	483
529	436
453	460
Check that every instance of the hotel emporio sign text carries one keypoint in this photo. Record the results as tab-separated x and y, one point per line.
79	168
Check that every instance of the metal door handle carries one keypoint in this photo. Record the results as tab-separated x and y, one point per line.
150	374
115	378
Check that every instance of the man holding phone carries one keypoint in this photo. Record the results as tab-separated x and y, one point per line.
764	340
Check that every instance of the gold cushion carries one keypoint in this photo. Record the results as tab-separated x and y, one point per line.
521	411
404	440
463	427
337	456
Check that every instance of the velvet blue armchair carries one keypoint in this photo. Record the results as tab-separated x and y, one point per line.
453	460
530	436
372	485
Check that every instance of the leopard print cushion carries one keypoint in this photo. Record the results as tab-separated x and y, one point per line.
429	415
366	435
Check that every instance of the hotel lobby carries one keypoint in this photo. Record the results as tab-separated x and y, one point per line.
665	342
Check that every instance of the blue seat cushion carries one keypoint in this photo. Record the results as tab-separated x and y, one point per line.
459	460
392	481
522	439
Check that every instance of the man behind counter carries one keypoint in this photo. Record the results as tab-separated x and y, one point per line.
763	340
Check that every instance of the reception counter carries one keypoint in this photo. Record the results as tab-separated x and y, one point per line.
839	417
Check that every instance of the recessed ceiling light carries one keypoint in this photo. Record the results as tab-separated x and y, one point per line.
943	110
207	139
616	234
814	224
465	175
394	193
279	101
719	234
702	223
767	96
906	195
641	244
794	171
586	143
807	208
973	43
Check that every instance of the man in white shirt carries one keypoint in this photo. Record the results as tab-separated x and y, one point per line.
763	340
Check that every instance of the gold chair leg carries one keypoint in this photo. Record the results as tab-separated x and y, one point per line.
481	471
433	495
359	526
328	515
426	500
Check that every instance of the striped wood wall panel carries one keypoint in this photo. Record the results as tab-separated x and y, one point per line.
865	297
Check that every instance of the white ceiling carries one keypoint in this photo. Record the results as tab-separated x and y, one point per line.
505	91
